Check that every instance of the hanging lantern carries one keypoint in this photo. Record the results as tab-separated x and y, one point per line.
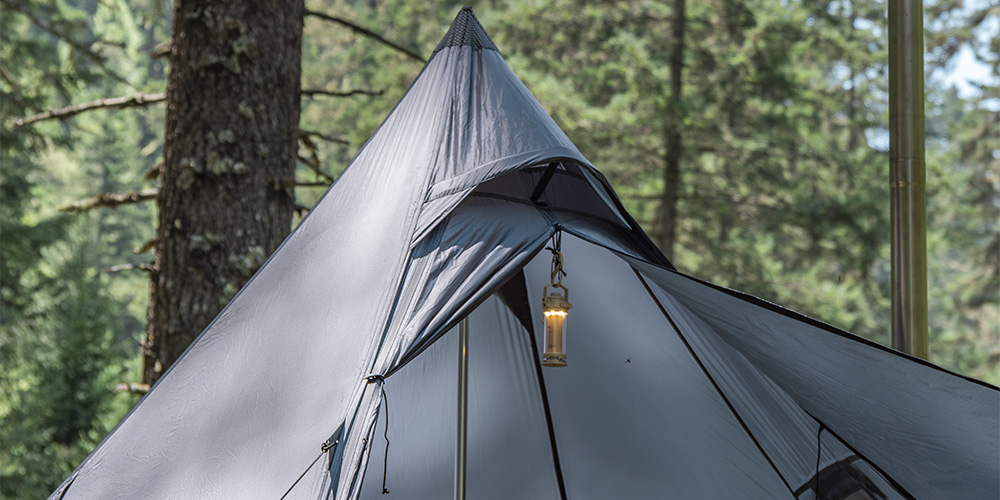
555	307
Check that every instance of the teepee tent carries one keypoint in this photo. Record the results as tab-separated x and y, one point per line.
334	373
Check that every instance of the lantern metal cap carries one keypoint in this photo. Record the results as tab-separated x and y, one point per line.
555	300
557	359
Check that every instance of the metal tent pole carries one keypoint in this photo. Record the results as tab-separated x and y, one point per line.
907	176
463	409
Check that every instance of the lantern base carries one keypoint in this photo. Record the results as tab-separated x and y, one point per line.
555	359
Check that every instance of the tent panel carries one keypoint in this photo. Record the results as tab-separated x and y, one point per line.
249	382
510	454
634	415
493	117
787	434
494	126
933	432
422	428
508	450
481	243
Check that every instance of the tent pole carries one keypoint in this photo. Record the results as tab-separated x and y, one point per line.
907	175
463	408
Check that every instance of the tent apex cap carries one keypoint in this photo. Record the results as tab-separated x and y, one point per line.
466	31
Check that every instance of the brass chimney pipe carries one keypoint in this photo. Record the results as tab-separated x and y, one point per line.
907	176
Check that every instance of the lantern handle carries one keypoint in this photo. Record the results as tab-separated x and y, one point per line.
545	290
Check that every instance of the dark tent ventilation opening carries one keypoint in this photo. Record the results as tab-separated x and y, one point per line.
849	479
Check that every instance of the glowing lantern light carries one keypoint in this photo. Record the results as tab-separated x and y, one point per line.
555	307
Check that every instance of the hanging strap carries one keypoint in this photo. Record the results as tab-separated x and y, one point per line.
819	454
543	183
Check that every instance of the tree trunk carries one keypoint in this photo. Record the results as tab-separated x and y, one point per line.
672	168
231	138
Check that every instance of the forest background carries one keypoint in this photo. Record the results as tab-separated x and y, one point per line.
748	137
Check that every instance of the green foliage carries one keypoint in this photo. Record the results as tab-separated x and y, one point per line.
963	242
61	359
36	57
67	332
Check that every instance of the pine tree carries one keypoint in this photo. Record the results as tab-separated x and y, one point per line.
225	201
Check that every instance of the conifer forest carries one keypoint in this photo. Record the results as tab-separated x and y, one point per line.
748	137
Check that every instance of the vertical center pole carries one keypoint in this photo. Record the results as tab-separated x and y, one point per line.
907	175
463	408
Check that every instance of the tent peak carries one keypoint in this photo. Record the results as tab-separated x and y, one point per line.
466	31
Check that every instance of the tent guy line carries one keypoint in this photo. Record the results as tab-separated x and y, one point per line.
324	448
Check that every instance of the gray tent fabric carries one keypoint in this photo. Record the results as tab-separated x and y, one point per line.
834	378
334	368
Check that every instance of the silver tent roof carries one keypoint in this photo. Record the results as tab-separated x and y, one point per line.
343	342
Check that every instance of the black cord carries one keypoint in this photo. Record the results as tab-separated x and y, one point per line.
303	474
819	449
385	461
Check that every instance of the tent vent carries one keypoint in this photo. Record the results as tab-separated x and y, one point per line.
466	31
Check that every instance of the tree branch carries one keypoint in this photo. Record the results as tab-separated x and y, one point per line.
110	200
313	161
366	32
154	172
298	183
328	138
162	49
132	387
348	93
313	165
128	101
128	267
147	246
291	182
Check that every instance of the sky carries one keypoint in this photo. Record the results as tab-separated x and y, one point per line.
965	69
